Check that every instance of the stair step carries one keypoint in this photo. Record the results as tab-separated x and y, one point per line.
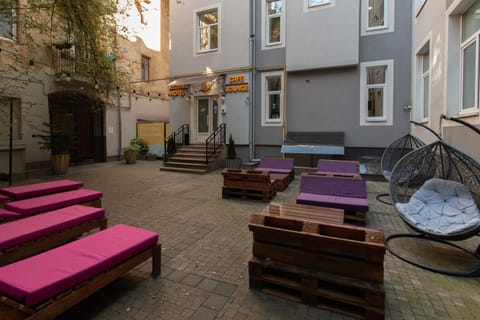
185	164
186	160
185	170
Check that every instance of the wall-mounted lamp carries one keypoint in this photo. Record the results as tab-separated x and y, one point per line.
407	108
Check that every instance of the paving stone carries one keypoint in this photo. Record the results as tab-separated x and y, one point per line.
208	284
225	289
192	280
215	301
204	314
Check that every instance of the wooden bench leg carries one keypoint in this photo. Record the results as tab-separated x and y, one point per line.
156	260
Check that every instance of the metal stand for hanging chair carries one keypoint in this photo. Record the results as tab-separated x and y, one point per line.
395	151
418	172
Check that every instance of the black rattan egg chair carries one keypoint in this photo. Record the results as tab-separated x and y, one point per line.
395	151
436	191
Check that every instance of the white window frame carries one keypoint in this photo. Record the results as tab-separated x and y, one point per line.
13	25
475	40
387	118
265	29
307	7
425	75
389	19
266	121
196	28
454	76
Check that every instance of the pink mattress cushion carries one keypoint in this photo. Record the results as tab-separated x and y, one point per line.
33	280
7	214
39	189
346	203
53	201
31	228
4	198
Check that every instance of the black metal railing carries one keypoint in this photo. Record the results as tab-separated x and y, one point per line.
181	137
214	142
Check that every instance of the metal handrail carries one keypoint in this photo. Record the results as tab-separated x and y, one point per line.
178	137
214	141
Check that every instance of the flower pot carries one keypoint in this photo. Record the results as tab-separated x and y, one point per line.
59	163
233	163
130	156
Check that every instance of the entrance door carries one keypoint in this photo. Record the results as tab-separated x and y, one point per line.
207	117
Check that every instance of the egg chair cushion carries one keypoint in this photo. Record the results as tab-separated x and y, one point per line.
441	207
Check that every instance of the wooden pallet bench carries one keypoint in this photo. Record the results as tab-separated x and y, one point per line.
319	251
338	167
345	295
278	165
26	237
47	284
248	184
347	193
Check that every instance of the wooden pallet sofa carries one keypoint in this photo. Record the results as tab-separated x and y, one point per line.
347	193
338	167
335	267
26	237
281	169
47	284
22	208
248	184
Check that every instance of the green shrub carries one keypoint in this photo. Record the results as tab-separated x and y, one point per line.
141	144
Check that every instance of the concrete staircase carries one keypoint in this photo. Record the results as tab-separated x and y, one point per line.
191	159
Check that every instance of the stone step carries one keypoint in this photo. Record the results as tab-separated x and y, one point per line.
186	165
185	170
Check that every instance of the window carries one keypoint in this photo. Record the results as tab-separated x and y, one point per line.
273	27
272	94
5	118
419	5
207	34
377	16
425	85
315	3
145	68
470	60
8	27
376	95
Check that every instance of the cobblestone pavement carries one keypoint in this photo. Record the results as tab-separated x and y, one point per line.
206	246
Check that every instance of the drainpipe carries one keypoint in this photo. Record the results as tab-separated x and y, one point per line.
251	88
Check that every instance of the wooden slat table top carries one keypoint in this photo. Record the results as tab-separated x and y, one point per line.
304	212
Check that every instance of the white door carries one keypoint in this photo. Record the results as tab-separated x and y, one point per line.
207	117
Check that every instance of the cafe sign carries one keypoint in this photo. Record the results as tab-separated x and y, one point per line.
177	90
236	83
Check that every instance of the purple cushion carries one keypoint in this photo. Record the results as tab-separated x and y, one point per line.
277	163
4	213
53	201
274	170
39	189
31	228
41	277
337	166
334	186
346	203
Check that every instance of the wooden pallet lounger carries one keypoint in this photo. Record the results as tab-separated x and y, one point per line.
25	237
31	206
278	165
39	189
45	285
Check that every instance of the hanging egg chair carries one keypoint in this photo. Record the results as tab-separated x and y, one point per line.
435	189
395	151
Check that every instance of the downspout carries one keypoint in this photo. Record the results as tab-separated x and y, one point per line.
251	88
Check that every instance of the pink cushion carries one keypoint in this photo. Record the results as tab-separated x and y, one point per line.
4	213
39	189
4	198
53	201
31	228
41	277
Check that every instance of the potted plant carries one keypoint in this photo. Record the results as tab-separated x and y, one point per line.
232	161
130	153
142	147
59	137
